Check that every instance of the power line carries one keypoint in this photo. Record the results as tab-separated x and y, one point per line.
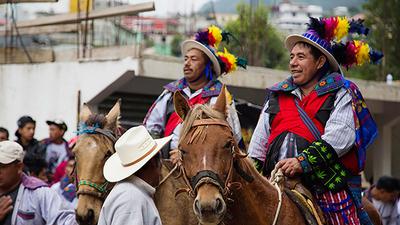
18	35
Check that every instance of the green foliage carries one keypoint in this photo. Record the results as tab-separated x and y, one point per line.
176	45
148	42
383	17
257	40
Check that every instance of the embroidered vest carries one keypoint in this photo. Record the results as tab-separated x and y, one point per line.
286	118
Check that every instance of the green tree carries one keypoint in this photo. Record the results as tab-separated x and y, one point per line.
257	40
383	17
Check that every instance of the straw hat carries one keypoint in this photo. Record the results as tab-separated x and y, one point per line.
133	150
326	34
207	41
190	44
315	41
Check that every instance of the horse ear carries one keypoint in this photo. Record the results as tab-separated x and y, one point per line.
220	104
113	116
85	113
181	105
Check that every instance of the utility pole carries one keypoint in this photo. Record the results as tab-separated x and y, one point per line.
254	5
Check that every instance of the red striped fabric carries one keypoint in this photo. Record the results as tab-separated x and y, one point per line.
339	208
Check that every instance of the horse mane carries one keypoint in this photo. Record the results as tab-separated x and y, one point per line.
96	120
196	113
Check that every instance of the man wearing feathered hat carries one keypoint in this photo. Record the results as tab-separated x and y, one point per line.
203	64
316	124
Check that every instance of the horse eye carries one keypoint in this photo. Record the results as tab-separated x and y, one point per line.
228	144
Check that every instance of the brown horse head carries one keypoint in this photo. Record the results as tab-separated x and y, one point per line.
94	146
207	146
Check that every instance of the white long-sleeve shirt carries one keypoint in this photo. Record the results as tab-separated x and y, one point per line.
130	203
156	119
389	212
37	204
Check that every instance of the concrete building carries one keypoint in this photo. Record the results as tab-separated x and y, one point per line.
340	11
291	18
223	18
151	25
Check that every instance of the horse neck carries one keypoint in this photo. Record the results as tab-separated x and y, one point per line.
257	200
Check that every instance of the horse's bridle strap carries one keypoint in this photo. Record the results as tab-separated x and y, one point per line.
101	190
205	174
208	176
107	133
247	177
91	193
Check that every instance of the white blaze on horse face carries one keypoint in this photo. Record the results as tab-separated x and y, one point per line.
93	145
204	161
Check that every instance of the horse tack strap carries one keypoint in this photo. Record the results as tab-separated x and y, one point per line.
247	177
205	122
107	133
99	187
91	193
205	174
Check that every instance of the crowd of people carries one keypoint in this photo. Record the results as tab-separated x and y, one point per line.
308	129
36	180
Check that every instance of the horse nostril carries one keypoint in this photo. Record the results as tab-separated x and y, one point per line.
90	215
79	219
219	206
197	207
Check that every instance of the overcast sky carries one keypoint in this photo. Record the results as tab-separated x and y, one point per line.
163	7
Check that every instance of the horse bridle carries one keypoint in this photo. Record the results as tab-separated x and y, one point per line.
101	189
211	177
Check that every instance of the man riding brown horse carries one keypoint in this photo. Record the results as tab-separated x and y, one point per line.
316	124
200	85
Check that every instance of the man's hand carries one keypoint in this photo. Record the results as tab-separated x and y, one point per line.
5	206
290	166
176	156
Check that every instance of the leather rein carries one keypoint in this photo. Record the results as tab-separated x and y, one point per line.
211	177
101	190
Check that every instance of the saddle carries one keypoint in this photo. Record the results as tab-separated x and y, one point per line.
304	200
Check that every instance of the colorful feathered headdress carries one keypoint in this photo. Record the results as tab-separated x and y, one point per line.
230	62
353	52
211	38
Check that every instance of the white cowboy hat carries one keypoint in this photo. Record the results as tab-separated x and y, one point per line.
190	44
133	150
315	41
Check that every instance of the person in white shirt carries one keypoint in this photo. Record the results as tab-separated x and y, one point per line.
57	149
136	167
385	196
